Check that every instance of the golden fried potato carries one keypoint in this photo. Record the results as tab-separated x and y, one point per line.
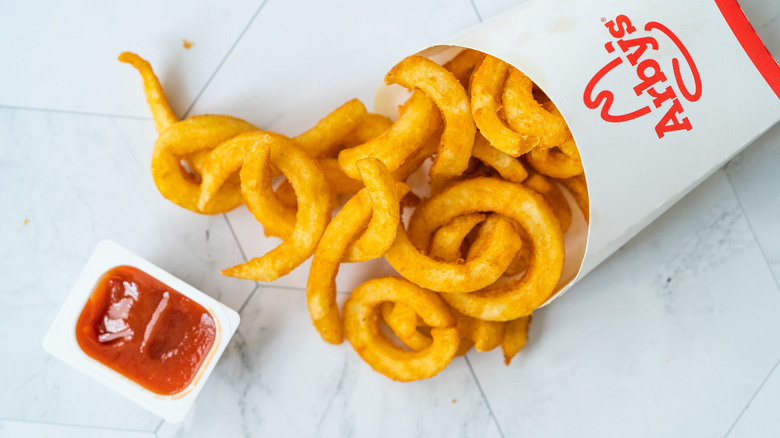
195	134
518	297
419	73
480	121
324	139
463	65
554	197
331	250
528	117
447	241
417	122
162	113
488	264
313	212
578	188
562	161
487	86
380	233
486	335
509	167
361	327
515	337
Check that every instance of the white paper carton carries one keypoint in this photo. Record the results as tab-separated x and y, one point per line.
657	94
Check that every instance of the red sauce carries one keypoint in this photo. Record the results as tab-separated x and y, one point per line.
146	331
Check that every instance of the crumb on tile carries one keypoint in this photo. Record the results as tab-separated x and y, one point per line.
26	221
454	400
186	44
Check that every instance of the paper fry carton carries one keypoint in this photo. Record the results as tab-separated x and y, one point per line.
658	95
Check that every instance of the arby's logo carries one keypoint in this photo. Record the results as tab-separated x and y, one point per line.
659	90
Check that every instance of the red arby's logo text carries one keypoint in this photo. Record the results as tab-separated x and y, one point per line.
642	53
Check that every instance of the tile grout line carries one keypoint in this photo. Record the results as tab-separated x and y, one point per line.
777	284
298	289
258	286
243	255
484	397
235	237
82	426
192	105
760	387
248	299
71	112
157	429
752	230
303	289
222	62
476	11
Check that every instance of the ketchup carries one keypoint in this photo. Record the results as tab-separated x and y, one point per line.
146	331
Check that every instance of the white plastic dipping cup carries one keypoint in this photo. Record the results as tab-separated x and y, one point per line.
658	95
60	341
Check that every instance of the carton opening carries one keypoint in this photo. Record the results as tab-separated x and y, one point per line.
574	190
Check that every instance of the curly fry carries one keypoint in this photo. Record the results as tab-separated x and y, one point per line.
330	253
418	121
312	216
527	116
490	261
515	298
487	84
417	72
361	328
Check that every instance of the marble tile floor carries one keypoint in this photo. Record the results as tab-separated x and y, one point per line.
676	334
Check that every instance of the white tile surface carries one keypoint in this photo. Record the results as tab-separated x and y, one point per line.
62	55
21	429
491	8
760	419
673	336
670	337
357	36
78	180
278	378
284	72
754	176
776	270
